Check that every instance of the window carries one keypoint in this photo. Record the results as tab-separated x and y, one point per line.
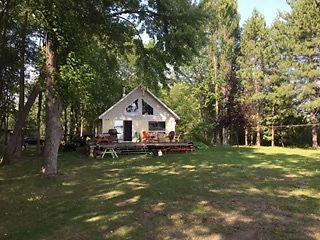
146	108
133	108
157	126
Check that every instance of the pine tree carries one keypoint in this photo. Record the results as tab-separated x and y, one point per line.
278	104
224	39
252	71
305	32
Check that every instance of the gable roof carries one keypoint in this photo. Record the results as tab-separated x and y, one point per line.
151	94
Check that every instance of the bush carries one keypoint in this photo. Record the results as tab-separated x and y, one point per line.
200	145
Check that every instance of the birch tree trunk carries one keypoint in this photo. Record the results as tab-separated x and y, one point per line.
246	143
314	122
272	135
54	129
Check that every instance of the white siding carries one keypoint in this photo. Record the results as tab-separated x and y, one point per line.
139	122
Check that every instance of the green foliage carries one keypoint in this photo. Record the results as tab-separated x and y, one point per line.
181	99
200	146
304	26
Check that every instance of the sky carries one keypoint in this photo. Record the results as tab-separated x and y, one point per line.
269	8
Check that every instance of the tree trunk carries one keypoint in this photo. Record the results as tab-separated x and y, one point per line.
246	133
225	136
65	136
215	69
39	122
54	129
72	121
272	127
14	144
258	130
81	126
6	128
77	126
314	122
272	135
20	134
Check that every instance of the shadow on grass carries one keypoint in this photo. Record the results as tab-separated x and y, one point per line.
224	193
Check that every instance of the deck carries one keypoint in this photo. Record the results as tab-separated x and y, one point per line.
140	148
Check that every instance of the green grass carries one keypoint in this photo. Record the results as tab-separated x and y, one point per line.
222	193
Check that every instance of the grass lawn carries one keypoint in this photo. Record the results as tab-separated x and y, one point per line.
222	193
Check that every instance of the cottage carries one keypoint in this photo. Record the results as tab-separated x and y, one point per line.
138	111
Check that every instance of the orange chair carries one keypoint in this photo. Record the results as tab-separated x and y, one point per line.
146	137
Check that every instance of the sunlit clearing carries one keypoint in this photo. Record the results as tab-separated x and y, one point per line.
123	231
94	219
109	195
129	201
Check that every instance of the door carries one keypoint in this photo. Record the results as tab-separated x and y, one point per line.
118	124
127	130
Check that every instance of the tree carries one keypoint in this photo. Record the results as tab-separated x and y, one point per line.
171	24
16	37
305	32
279	94
252	70
224	42
182	99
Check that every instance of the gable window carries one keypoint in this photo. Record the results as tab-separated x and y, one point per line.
157	126
133	107
146	108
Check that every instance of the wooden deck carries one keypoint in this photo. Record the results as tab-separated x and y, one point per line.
140	148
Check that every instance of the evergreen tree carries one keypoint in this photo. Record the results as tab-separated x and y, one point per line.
253	71
305	32
224	40
279	89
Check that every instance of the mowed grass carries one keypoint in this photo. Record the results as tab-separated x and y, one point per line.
221	193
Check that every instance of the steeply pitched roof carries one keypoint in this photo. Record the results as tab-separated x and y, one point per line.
151	94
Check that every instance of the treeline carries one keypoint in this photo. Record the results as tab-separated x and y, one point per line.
229	84
75	57
256	84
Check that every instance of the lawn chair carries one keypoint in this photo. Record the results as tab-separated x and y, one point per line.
171	136
174	136
146	137
177	136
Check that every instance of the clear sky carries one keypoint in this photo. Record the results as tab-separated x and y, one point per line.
269	8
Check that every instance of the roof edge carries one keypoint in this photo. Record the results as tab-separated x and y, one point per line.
113	106
142	88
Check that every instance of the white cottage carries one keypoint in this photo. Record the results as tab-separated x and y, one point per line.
138	111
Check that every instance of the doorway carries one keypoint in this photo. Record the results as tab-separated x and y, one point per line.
127	130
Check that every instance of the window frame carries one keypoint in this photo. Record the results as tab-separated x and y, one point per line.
158	128
145	105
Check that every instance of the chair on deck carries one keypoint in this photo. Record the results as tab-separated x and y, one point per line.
177	137
113	135
146	137
174	136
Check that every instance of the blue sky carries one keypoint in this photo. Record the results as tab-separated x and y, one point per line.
269	8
